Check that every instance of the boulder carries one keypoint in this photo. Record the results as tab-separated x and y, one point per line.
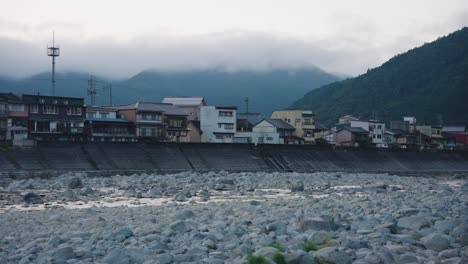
62	255
297	186
165	258
116	256
325	223
75	183
33	198
178	227
332	255
413	222
436	242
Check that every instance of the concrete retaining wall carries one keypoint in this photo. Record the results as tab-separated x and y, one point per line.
172	157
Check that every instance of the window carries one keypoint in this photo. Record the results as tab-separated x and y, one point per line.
34	109
175	123
149	132
65	102
73	110
104	115
307	121
91	115
379	136
298	120
41	101
50	110
229	126
260	139
225	113
54	101
379	126
219	137
269	138
16	107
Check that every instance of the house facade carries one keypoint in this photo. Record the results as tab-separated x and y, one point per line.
13	118
302	121
351	137
218	124
55	117
103	124
375	128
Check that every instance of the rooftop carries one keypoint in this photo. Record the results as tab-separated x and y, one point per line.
185	101
278	123
168	109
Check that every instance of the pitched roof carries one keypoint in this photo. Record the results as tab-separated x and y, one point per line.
449	129
185	101
9	97
167	109
278	123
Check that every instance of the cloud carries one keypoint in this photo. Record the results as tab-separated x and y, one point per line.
355	45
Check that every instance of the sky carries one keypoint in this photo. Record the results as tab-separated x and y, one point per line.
118	39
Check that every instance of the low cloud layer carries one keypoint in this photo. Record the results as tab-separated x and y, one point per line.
356	46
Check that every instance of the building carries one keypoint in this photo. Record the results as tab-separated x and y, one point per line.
375	129
55	117
190	105
434	133
218	124
194	132
103	124
155	121
302	121
13	118
347	119
351	137
458	136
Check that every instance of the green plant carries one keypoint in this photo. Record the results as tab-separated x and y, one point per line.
278	258
251	259
309	246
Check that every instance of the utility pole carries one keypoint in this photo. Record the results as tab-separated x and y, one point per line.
246	100
92	90
53	52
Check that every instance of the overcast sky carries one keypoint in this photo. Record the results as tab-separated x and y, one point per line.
117	38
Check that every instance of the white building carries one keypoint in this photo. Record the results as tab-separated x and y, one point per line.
375	128
218	124
269	131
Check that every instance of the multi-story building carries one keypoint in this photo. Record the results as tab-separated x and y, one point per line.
351	137
55	117
190	105
218	123
13	118
155	121
375	128
103	124
434	133
302	121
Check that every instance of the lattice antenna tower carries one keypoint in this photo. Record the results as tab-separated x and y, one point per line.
92	91
53	52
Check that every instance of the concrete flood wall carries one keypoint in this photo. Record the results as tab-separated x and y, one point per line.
172	157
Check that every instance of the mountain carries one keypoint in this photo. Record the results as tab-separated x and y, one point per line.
429	82
267	91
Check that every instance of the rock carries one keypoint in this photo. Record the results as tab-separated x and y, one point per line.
319	237
373	258
178	227
280	228
407	259
448	253
332	255
325	223
460	233
88	191
63	254
209	244
75	183
122	234
357	244
413	222
116	256
33	198
180	197
219	187
183	214
297	186
165	258
436	242
266	252
226	182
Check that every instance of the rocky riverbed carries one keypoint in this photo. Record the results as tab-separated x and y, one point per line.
235	218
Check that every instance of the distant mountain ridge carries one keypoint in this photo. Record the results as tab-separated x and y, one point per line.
429	82
267	91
